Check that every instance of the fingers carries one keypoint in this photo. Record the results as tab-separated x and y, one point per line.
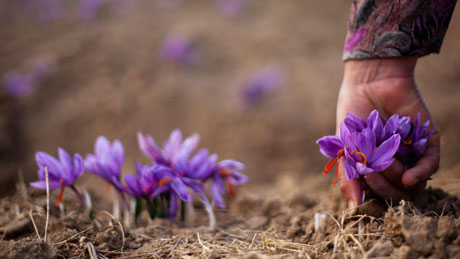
427	165
384	189
394	174
351	189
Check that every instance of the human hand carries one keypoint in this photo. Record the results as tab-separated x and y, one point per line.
387	85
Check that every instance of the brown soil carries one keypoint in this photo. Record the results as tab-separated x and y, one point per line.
253	227
110	80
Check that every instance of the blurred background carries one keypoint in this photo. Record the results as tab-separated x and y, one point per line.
258	80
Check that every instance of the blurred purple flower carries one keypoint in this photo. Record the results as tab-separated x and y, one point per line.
88	9
177	48
261	83
63	172
107	161
414	138
231	8
224	177
18	85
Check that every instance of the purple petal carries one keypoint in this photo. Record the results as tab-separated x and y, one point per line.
385	152
77	166
179	187
197	159
187	148
350	171
42	185
366	142
230	164
149	147
65	159
102	146
118	153
345	135
329	146
238	178
172	145
363	169
173	206
375	123
216	196
354	123
45	160
382	166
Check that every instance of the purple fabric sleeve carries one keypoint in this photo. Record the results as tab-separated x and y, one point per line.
391	28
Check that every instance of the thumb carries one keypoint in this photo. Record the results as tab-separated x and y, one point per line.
351	189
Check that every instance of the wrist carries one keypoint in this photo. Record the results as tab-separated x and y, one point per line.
363	72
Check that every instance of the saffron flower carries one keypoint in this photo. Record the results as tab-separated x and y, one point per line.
107	161
62	173
177	48
368	147
414	138
260	84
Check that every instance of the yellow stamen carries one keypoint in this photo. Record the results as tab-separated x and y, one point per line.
361	156
407	142
163	181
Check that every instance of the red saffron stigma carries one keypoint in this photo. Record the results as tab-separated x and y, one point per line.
332	163
148	186
230	190
61	194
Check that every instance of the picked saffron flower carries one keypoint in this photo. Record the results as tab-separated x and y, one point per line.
177	48
223	179
368	147
107	161
414	138
63	172
260	84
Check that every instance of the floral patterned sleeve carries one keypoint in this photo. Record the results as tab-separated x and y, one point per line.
396	28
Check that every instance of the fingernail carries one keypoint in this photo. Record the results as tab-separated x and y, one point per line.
352	208
351	204
416	180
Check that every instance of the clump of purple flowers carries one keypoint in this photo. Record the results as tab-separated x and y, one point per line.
371	146
174	176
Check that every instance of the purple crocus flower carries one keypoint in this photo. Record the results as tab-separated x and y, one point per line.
362	156
63	172
107	161
224	177
138	185
261	83
177	48
368	147
414	138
